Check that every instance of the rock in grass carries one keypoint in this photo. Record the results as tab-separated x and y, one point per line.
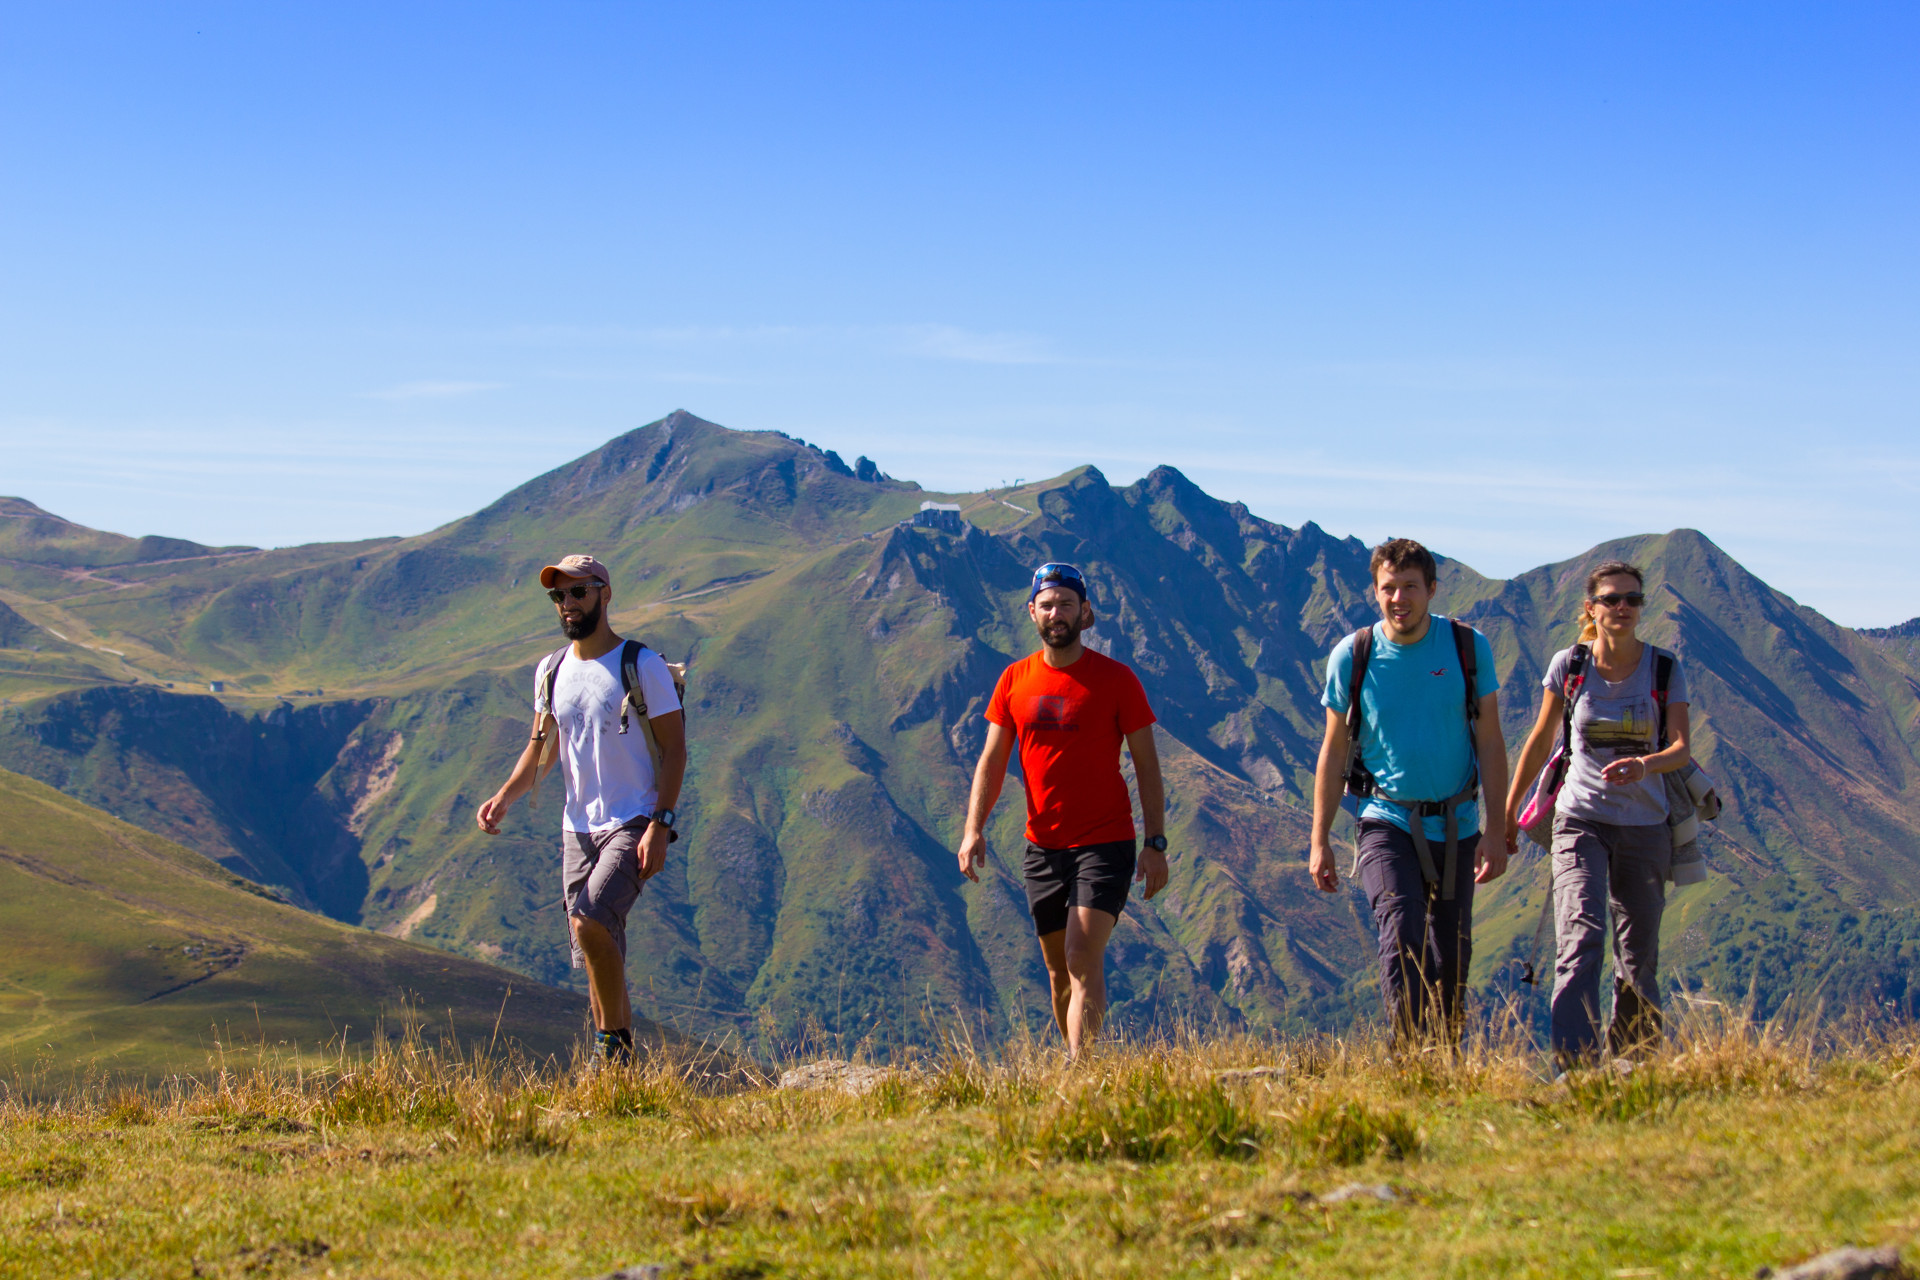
642	1271
1246	1075
1847	1264
1360	1191
837	1073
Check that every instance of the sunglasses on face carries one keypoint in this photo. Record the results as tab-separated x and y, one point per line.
578	591
1612	598
1051	574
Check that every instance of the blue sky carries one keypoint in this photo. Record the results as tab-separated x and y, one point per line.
1509	278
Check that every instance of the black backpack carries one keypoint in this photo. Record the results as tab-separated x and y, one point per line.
1362	785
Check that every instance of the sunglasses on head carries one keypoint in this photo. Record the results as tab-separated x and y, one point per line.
1051	573
578	591
1612	598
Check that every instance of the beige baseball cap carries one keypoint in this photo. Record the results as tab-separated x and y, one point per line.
575	567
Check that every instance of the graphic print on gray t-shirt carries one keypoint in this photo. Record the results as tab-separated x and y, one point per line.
1611	721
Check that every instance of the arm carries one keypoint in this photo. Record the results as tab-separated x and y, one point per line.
670	733
988	777
1676	755
1491	745
1153	806
1533	755
526	770
1327	786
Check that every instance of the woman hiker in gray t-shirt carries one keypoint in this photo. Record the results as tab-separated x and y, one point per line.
1611	844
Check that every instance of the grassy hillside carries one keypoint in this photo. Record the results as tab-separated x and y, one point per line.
1731	1155
841	661
128	955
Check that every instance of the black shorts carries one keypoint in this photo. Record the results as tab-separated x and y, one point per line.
1087	875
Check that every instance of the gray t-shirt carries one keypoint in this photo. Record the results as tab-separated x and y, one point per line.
1611	721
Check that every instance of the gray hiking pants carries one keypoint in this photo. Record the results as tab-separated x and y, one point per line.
1597	865
1426	941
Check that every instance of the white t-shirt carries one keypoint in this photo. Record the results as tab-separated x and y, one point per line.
609	775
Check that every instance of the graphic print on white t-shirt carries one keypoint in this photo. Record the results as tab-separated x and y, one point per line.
609	775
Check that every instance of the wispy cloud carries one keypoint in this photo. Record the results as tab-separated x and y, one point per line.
921	341
431	390
949	342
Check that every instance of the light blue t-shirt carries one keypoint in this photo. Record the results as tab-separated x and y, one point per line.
1413	735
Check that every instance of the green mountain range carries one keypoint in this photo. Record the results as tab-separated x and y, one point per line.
371	694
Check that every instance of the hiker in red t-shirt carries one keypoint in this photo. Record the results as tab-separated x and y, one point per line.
1071	709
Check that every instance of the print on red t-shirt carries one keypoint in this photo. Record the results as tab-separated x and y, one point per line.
1071	722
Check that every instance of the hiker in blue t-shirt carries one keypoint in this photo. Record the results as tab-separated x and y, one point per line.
1428	721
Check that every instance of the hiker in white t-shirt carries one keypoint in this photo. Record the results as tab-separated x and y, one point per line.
621	785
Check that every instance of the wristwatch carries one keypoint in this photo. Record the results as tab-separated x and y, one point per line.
1156	843
665	818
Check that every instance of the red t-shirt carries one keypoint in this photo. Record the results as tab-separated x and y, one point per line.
1072	722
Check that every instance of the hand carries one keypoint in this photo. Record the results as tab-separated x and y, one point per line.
1513	835
492	810
653	851
1152	868
1320	867
1621	772
1494	844
973	853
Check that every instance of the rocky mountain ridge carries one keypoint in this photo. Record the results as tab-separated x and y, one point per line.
841	658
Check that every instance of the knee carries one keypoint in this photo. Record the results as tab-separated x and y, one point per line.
589	932
1085	965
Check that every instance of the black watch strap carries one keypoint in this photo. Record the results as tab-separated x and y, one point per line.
1156	843
666	818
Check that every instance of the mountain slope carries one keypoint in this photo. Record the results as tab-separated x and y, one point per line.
133	955
841	660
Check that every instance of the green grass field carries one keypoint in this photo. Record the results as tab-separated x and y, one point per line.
1732	1151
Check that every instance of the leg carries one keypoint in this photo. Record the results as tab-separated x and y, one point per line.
1390	875
603	882
1088	929
606	975
1639	896
1053	950
1579	924
1048	883
1453	947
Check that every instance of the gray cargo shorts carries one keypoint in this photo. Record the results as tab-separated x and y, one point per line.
600	880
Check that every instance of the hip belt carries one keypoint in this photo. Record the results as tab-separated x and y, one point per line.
1450	810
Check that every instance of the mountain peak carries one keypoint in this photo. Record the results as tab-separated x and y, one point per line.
21	507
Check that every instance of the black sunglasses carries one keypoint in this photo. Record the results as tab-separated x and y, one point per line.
578	591
1612	598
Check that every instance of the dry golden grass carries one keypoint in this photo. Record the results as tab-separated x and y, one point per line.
1207	1155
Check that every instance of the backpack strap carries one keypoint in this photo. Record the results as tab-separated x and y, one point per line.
1662	679
1469	667
631	695
1570	690
544	677
1359	780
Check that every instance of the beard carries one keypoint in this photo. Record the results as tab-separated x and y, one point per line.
1061	635
583	626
